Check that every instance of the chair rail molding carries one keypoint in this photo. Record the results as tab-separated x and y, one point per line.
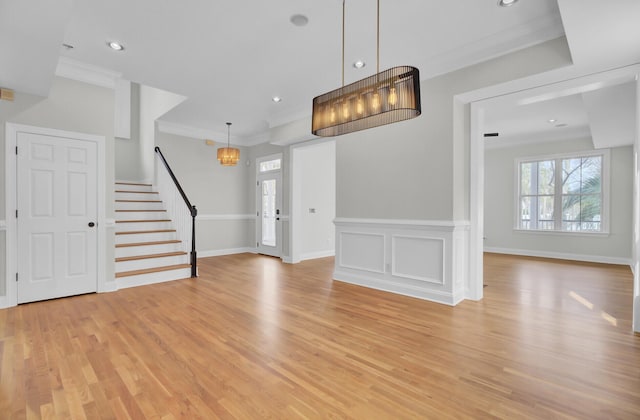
209	217
426	259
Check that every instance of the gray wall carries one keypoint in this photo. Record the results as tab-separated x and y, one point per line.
71	106
500	207
214	189
418	169
127	151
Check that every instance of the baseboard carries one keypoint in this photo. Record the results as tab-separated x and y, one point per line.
436	296
561	255
318	254
110	286
228	251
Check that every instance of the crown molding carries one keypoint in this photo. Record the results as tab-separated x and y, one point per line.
197	133
87	73
517	38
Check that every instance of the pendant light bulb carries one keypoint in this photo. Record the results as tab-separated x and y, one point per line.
346	112
393	96
333	115
375	101
359	106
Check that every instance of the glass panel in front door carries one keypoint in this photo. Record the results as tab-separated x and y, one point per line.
269	212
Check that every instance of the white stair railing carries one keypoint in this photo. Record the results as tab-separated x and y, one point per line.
178	206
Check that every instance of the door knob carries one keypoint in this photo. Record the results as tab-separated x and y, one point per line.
91	224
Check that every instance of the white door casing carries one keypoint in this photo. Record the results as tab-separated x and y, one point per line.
57	212
14	258
269	208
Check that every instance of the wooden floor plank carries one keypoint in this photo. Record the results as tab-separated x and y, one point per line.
255	338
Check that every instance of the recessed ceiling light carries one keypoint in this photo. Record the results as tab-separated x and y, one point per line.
115	45
299	20
552	120
276	99
507	3
359	64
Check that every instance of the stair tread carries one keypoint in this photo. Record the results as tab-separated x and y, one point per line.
137	192
144	221
134	183
149	256
139	211
152	270
173	241
133	232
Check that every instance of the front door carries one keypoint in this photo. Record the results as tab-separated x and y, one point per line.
269	203
57	215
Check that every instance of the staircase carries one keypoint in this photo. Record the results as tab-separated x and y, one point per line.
147	248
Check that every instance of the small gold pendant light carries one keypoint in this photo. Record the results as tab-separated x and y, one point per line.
228	156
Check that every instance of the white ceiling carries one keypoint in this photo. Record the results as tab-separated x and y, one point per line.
601	36
517	123
230	57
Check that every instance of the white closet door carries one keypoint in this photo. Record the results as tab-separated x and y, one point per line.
57	215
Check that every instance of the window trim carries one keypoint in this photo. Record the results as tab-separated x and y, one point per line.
605	183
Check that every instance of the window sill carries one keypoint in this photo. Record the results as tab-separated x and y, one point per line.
562	233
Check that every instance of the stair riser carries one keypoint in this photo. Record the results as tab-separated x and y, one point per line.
136	196
127	187
136	226
150	263
123	205
151	278
145	237
141	215
130	251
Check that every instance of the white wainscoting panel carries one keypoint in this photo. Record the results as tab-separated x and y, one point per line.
362	251
426	259
418	258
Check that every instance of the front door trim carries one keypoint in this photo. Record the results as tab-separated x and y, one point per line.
260	176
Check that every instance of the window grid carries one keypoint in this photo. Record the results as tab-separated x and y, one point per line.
574	204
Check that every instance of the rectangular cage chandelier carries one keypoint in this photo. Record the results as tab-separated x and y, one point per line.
386	97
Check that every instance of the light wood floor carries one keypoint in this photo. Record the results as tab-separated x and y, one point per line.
253	338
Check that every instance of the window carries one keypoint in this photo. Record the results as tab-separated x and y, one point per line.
563	193
270	165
